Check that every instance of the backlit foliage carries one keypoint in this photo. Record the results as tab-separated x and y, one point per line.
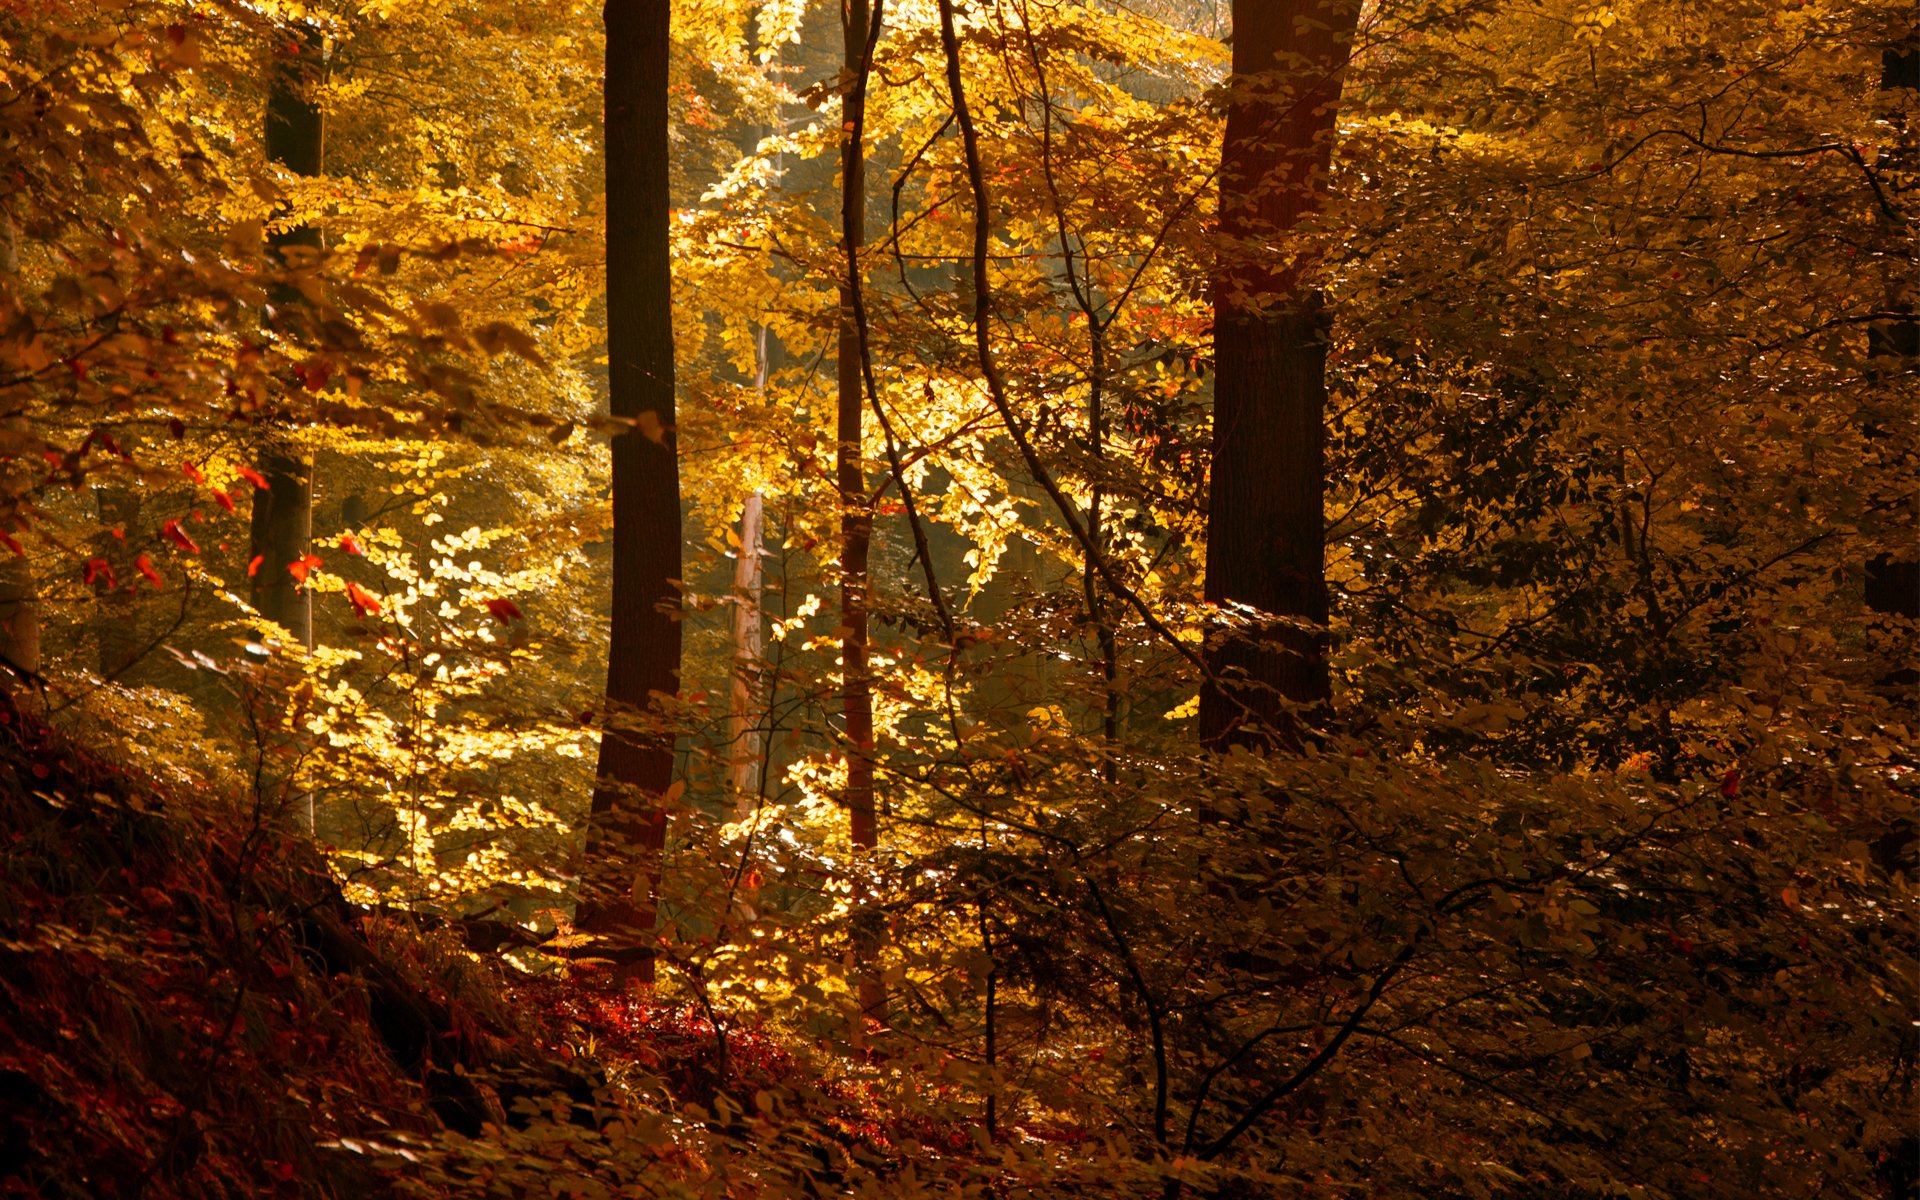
1597	880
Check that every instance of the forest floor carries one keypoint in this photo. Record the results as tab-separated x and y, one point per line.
189	1007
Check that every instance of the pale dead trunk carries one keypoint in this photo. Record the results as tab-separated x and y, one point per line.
744	742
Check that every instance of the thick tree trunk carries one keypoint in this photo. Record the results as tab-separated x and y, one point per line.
281	531
1893	582
856	517
1265	524
626	829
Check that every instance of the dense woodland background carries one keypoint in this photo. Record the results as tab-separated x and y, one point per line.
959	598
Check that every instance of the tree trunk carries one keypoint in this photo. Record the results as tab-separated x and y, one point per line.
281	531
19	626
856	517
19	591
744	703
626	829
748	698
1265	523
1893	582
116	619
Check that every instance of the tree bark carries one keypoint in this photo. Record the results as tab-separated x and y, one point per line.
19	625
19	591
1265	523
858	25
626	828
744	703
1893	581
281	530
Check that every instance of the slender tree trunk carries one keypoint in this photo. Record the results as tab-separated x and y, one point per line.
1265	522
627	827
1097	612
858	24
747	699
744	703
281	531
19	624
1893	582
116	618
19	591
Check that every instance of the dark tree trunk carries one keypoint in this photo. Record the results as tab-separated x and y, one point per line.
856	517
627	827
1265	524
19	591
1893	582
281	531
116	620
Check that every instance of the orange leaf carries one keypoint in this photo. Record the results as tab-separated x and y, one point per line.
145	567
363	600
300	566
172	532
225	501
253	477
100	568
351	545
253	568
192	472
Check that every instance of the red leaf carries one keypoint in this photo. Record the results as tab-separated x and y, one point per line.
120	533
505	611
145	567
300	566
103	439
172	532
362	599
192	472
253	568
225	501
1730	782
253	477
100	568
7	540
351	546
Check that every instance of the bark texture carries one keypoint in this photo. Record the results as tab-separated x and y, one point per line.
19	590
281	530
1893	581
856	520
858	24
627	826
744	741
1265	524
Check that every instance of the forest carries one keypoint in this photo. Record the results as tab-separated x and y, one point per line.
990	599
